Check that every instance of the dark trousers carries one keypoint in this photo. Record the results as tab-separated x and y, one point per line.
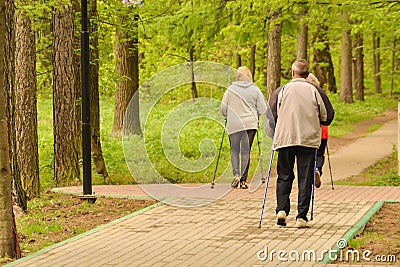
320	155
241	144
305	157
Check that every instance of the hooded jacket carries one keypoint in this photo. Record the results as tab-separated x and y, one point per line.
241	105
299	111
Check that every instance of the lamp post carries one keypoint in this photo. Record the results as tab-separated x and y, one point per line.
86	136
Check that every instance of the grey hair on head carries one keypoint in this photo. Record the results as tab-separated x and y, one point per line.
301	67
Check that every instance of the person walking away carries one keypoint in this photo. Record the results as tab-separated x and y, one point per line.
324	133
241	106
298	109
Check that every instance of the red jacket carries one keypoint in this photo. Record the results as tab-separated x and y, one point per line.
324	132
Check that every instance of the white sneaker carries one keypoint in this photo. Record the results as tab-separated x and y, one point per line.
281	218
235	181
301	223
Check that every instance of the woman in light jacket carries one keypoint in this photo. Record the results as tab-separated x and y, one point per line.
241	105
324	138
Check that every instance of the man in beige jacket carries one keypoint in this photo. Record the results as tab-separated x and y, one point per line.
298	109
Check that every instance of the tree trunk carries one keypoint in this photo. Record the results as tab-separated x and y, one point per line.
10	104
8	233
43	40
353	66
25	102
94	92
359	67
193	88
238	60
393	66
377	63
127	66
346	92
253	60
65	109
323	65
302	37
265	64
274	54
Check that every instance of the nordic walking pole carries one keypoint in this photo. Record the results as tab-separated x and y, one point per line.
329	163
259	154
313	186
266	187
219	154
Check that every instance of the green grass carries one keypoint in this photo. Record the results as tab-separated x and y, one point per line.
45	142
368	236
183	144
41	228
40	221
112	148
55	217
198	139
383	173
346	115
374	127
356	243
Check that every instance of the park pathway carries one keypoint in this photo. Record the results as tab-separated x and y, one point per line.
226	233
355	157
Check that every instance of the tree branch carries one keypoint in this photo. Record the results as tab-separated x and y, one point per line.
175	55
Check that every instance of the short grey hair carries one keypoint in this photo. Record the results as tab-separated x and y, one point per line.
301	67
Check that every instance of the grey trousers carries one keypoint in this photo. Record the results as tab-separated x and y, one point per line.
241	144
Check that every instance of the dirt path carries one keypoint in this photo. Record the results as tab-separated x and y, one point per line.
359	150
360	130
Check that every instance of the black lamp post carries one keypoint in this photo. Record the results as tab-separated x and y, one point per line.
86	142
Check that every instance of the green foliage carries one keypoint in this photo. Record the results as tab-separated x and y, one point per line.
217	30
356	243
374	127
189	138
45	142
368	235
41	228
245	25
383	173
40	14
346	115
112	148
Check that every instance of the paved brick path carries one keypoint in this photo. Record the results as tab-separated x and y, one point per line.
224	233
